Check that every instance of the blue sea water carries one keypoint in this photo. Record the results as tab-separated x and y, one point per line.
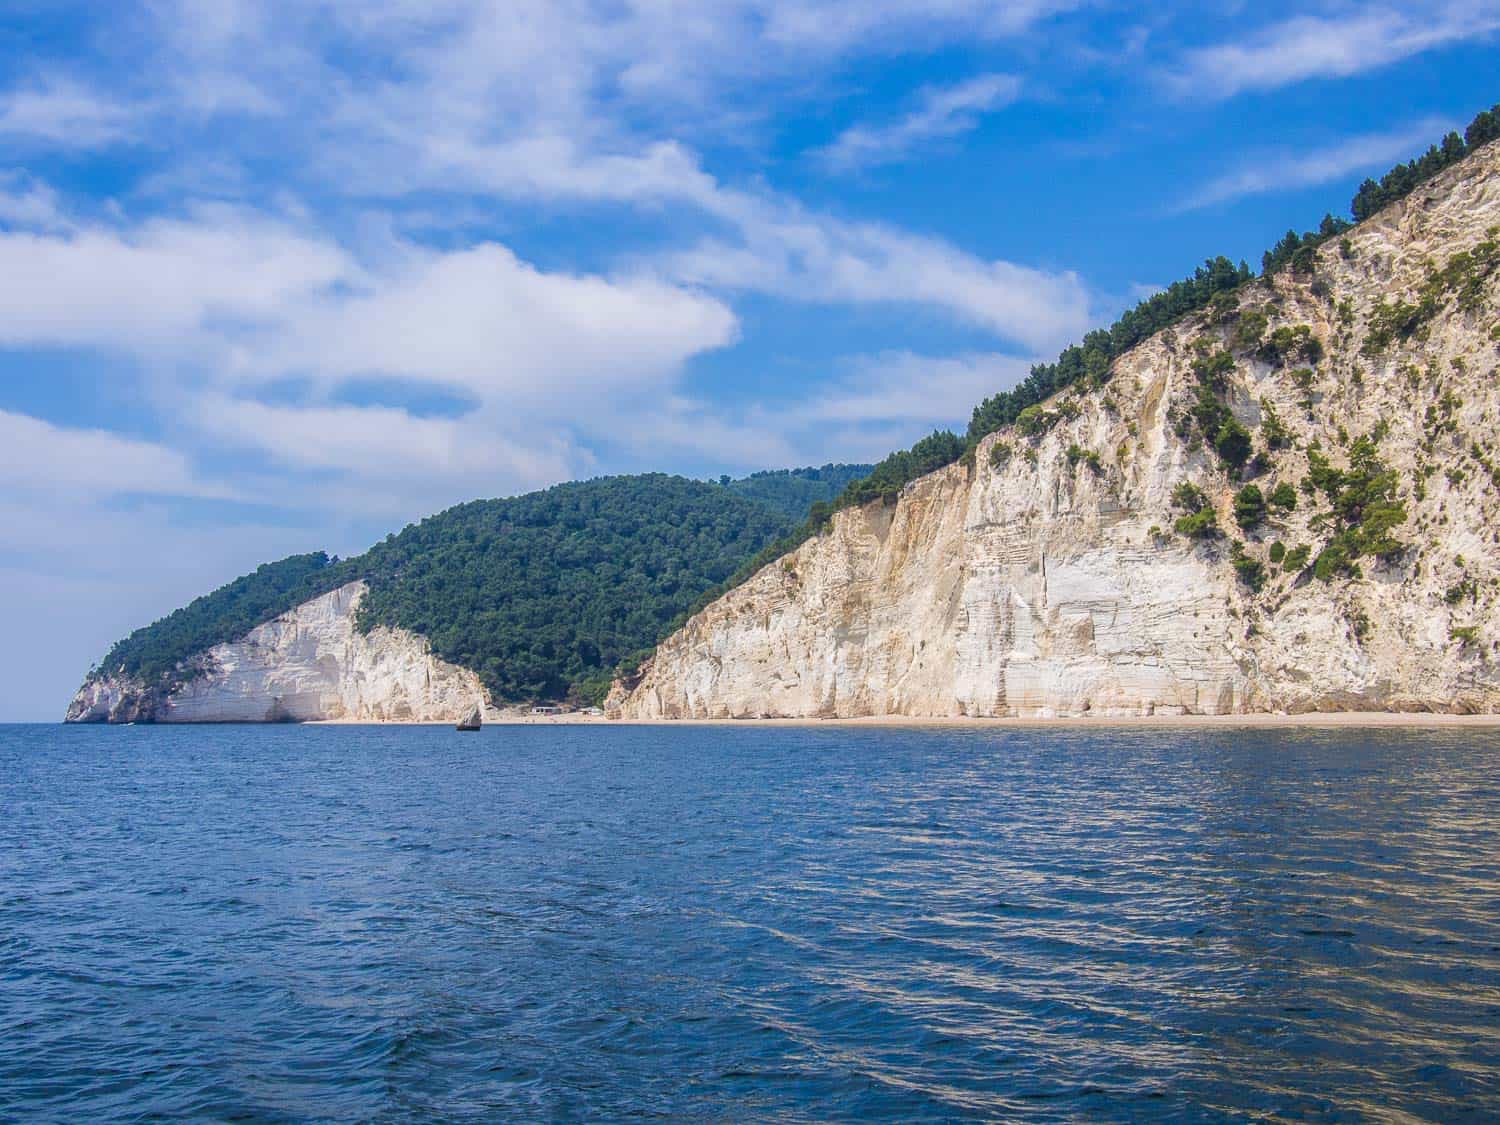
708	923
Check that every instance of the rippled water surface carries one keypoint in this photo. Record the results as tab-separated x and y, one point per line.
748	923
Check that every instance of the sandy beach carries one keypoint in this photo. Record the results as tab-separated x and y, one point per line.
1339	719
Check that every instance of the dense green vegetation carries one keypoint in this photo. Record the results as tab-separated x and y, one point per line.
1089	363
793	492
546	593
1249	507
1199	520
153	652
1295	558
542	595
1364	508
1250	570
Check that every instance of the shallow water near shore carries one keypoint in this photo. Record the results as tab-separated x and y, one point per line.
789	923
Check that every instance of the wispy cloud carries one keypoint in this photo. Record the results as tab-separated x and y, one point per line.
785	251
1333	46
27	203
916	390
36	454
942	112
1287	171
160	284
61	112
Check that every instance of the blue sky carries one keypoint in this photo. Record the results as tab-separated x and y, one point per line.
281	277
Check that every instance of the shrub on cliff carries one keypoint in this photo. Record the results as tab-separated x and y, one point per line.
1249	507
1364	507
1198	525
1189	497
1273	431
1250	570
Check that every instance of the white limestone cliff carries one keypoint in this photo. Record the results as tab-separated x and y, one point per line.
1031	584
311	663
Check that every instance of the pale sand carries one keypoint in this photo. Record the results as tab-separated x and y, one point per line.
1410	719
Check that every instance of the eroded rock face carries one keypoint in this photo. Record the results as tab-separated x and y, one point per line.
1032	584
311	663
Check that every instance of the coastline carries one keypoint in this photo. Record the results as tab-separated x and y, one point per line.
1346	719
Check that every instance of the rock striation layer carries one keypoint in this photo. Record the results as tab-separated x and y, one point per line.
1045	578
309	664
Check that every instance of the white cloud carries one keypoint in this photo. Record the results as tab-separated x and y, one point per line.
787	252
834	26
62	112
267	301
1285	171
466	74
1333	46
480	318
943	112
381	444
163	284
38	457
28	204
561	101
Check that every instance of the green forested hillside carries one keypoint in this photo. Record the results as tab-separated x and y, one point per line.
542	595
546	593
793	492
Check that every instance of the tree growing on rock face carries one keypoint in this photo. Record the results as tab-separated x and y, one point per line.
1365	507
1273	430
1249	507
1249	569
1199	522
1189	497
1232	442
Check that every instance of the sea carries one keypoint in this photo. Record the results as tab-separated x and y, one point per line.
709	923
